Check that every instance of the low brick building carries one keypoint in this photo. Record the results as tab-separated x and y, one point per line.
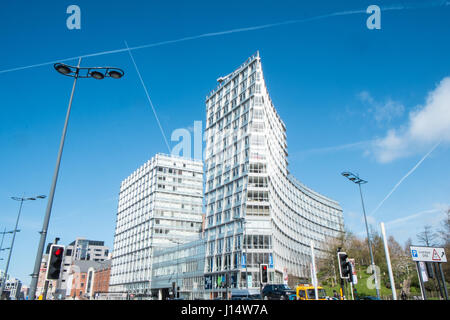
79	281
100	283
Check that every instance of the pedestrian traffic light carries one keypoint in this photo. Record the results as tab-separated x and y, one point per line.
54	262
263	272
345	268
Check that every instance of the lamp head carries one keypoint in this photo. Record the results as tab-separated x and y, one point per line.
97	75
115	74
62	68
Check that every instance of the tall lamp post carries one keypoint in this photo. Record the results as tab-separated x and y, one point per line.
21	200
74	72
3	237
244	243
178	262
356	179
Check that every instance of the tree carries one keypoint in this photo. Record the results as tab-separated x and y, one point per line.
427	237
444	231
444	235
327	265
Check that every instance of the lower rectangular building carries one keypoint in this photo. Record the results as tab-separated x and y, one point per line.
160	206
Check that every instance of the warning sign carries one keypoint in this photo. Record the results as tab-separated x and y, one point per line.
435	256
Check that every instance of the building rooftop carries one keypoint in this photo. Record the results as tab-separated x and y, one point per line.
84	265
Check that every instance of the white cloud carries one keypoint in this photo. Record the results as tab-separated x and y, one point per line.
427	125
386	111
401	221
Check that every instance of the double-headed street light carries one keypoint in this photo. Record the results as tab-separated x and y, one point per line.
21	200
74	72
356	179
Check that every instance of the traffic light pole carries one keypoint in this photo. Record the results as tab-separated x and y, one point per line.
44	295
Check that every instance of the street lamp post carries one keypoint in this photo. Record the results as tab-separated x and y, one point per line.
74	72
21	200
356	179
178	262
3	237
244	246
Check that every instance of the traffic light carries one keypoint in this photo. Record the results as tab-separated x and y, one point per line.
345	268
263	271
54	262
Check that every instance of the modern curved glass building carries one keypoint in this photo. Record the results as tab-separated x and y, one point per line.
256	212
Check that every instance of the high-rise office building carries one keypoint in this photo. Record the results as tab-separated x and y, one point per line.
160	205
256	212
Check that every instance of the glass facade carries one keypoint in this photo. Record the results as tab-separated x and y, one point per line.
256	212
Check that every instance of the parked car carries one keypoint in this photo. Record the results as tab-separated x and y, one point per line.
244	294
277	292
367	298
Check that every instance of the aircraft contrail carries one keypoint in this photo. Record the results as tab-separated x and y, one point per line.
220	33
406	176
148	97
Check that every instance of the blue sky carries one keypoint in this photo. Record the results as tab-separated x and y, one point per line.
351	98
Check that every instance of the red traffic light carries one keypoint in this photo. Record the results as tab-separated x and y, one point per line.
264	268
58	252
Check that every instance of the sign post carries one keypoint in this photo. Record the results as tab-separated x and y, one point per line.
443	281
422	288
428	254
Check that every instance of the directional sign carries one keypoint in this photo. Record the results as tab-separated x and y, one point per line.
428	254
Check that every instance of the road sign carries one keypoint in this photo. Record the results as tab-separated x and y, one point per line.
428	254
354	275
423	270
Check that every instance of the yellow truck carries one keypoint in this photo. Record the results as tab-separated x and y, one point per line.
306	292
